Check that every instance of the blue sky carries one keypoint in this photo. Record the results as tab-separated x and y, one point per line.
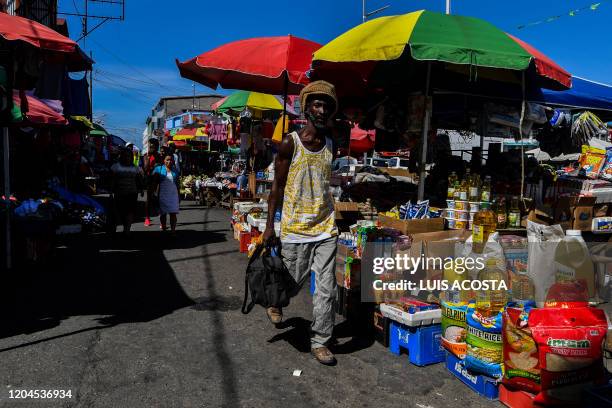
135	58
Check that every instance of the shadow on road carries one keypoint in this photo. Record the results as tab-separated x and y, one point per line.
124	279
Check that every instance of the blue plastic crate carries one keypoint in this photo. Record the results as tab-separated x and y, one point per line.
313	282
423	343
486	386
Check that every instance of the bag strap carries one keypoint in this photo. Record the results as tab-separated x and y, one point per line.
246	309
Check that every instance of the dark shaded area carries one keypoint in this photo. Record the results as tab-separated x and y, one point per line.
127	279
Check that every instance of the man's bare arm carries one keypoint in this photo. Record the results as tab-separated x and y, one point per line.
281	170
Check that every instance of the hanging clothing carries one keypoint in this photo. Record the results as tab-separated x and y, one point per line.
77	97
50	81
308	206
218	129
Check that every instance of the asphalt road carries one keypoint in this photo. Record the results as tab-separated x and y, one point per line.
156	322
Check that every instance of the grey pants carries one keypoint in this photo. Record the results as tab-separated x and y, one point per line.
319	257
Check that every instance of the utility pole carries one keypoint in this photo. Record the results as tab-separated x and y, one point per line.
193	101
448	5
365	14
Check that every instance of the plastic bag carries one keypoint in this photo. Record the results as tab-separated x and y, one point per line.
543	241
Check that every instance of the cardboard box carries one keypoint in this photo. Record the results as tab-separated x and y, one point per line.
346	210
575	208
582	218
408	227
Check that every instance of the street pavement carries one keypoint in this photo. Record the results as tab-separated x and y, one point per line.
152	321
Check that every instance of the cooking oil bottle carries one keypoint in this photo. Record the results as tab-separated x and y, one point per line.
452	180
490	301
485	191
474	194
514	214
484	224
453	294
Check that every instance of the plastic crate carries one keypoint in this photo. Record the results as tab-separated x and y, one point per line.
598	397
485	386
423	343
515	399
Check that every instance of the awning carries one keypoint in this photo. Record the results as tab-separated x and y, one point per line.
98	131
584	94
15	28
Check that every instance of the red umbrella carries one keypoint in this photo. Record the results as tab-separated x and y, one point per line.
15	28
36	111
274	65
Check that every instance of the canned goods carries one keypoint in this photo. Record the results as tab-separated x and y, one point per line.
461	205
461	215
460	224
474	206
450	213
451	223
450	204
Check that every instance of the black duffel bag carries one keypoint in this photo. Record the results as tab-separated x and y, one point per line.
267	280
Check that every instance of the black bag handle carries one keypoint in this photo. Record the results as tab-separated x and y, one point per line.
246	309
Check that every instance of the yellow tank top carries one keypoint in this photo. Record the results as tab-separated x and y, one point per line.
308	206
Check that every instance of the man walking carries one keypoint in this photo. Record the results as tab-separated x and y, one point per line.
308	229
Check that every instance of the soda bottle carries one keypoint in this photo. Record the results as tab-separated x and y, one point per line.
485	191
502	216
452	179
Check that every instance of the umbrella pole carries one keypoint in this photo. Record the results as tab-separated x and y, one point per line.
521	135
285	96
7	194
426	119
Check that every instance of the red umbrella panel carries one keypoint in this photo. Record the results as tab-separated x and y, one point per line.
273	65
36	111
15	28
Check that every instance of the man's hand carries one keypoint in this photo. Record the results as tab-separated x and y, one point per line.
269	237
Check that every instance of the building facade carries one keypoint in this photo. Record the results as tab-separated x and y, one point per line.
170	107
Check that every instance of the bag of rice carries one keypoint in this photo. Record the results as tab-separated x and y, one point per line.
521	364
454	328
569	345
484	343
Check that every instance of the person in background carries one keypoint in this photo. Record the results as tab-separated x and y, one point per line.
308	228
168	192
127	182
243	182
151	161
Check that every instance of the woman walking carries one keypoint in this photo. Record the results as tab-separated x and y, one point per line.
168	190
127	181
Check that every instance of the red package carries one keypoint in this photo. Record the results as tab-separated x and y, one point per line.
569	345
568	294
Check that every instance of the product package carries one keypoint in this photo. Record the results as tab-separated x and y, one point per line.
543	241
606	171
484	343
454	328
516	255
521	364
592	161
569	343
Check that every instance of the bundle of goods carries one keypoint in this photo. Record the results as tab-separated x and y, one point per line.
409	211
586	126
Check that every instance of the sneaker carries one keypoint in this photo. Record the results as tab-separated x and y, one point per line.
275	314
147	222
324	356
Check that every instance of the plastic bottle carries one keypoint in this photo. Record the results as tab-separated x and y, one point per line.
490	302
484	224
452	179
474	192
502	215
485	191
573	261
514	214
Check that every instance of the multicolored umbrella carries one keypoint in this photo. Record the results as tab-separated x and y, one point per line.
240	100
431	36
275	65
